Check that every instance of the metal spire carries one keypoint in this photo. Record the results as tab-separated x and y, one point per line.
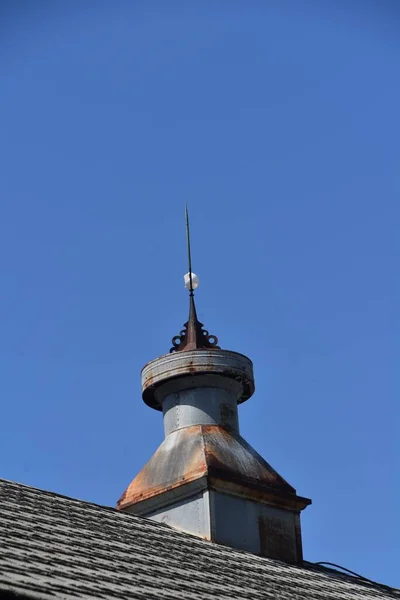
193	336
191	291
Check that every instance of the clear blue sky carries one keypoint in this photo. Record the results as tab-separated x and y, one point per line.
278	122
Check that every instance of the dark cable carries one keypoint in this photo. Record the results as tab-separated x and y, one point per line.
382	585
344	569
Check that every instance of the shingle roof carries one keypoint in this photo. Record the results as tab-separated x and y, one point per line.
53	546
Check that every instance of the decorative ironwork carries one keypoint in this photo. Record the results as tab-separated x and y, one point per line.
193	336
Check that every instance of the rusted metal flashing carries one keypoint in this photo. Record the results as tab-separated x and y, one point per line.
178	460
228	454
230	465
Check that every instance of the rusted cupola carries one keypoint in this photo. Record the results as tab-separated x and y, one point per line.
205	479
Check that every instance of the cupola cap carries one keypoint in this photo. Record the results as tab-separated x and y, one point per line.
192	364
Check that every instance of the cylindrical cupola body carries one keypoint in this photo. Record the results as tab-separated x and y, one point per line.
198	387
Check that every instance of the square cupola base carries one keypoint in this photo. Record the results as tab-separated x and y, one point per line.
208	481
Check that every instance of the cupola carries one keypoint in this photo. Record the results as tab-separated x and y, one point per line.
204	478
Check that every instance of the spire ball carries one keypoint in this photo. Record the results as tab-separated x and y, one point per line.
195	281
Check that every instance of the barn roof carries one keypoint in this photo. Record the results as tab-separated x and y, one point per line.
57	547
